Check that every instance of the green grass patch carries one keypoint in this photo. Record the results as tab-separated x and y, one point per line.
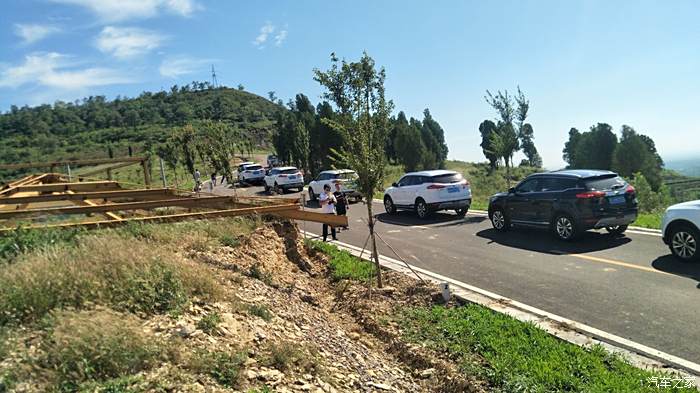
286	356
261	311
209	322
649	220
224	366
126	274
519	357
343	265
20	241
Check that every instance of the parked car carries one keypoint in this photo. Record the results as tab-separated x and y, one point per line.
272	161
283	178
250	173
568	202
681	230
345	177
429	191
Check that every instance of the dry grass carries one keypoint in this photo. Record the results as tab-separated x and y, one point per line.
126	274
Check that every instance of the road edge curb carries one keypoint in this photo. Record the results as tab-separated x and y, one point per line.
560	327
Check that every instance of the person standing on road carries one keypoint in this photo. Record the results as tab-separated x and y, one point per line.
213	179
197	180
327	202
342	206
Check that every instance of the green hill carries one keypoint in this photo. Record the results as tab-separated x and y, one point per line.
87	128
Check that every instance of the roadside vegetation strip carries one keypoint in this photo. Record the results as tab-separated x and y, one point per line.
517	356
343	264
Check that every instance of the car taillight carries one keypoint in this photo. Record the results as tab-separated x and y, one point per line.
629	189
465	182
436	186
590	194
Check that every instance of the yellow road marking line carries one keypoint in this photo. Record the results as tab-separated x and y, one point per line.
618	263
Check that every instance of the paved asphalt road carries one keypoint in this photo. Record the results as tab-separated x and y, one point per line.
629	286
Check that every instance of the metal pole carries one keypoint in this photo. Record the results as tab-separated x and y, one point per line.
69	175
162	173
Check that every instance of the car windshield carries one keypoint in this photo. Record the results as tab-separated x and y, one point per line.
289	171
346	176
606	182
253	167
447	178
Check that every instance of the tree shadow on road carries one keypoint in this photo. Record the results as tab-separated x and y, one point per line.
669	264
540	240
409	218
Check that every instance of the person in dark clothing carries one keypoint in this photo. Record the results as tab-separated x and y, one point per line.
213	178
342	206
327	202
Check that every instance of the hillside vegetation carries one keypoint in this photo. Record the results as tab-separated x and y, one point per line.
95	127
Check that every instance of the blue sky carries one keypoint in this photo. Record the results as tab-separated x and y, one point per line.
579	62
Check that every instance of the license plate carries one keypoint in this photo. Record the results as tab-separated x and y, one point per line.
452	189
292	177
617	200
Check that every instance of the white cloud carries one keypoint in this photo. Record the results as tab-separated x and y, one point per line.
55	70
30	33
280	37
179	66
265	31
120	10
123	42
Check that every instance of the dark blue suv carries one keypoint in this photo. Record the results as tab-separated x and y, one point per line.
568	202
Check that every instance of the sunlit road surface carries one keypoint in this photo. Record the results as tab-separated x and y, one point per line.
629	286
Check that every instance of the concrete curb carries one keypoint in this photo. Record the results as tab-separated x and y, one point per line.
563	328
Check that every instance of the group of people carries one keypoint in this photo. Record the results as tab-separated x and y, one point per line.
333	203
212	183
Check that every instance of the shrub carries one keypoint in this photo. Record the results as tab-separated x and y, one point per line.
225	367
209	322
97	346
124	273
260	311
286	355
344	265
20	241
230	241
257	273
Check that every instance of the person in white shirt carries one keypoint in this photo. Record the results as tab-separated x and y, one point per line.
327	201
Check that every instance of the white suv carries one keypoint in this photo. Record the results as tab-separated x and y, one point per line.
250	173
345	177
429	191
283	178
680	227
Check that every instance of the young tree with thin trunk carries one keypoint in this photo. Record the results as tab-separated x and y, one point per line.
357	89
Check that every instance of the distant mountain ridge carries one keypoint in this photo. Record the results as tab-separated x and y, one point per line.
85	128
687	167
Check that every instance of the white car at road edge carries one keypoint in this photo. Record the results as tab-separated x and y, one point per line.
283	178
681	230
345	177
429	191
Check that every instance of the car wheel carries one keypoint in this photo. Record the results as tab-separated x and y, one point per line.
312	196
616	230
389	205
564	227
683	242
461	212
499	220
279	190
422	209
267	189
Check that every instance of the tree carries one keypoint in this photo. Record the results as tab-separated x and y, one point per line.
241	87
271	95
434	140
409	144
184	138
486	128
569	152
503	104
357	89
637	154
529	149
300	148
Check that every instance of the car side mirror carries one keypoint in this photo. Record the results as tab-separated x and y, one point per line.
511	190
394	184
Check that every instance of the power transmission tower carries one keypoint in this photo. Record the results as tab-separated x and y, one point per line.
214	81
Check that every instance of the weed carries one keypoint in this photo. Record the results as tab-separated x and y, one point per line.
257	273
209	322
344	265
97	346
127	384
225	367
125	273
260	310
264	389
286	355
519	356
20	241
230	241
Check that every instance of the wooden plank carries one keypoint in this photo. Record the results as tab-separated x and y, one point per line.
305	215
95	161
106	195
166	218
112	207
63	187
87	202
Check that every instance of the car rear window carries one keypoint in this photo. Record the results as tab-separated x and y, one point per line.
608	182
253	167
289	171
445	179
347	176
